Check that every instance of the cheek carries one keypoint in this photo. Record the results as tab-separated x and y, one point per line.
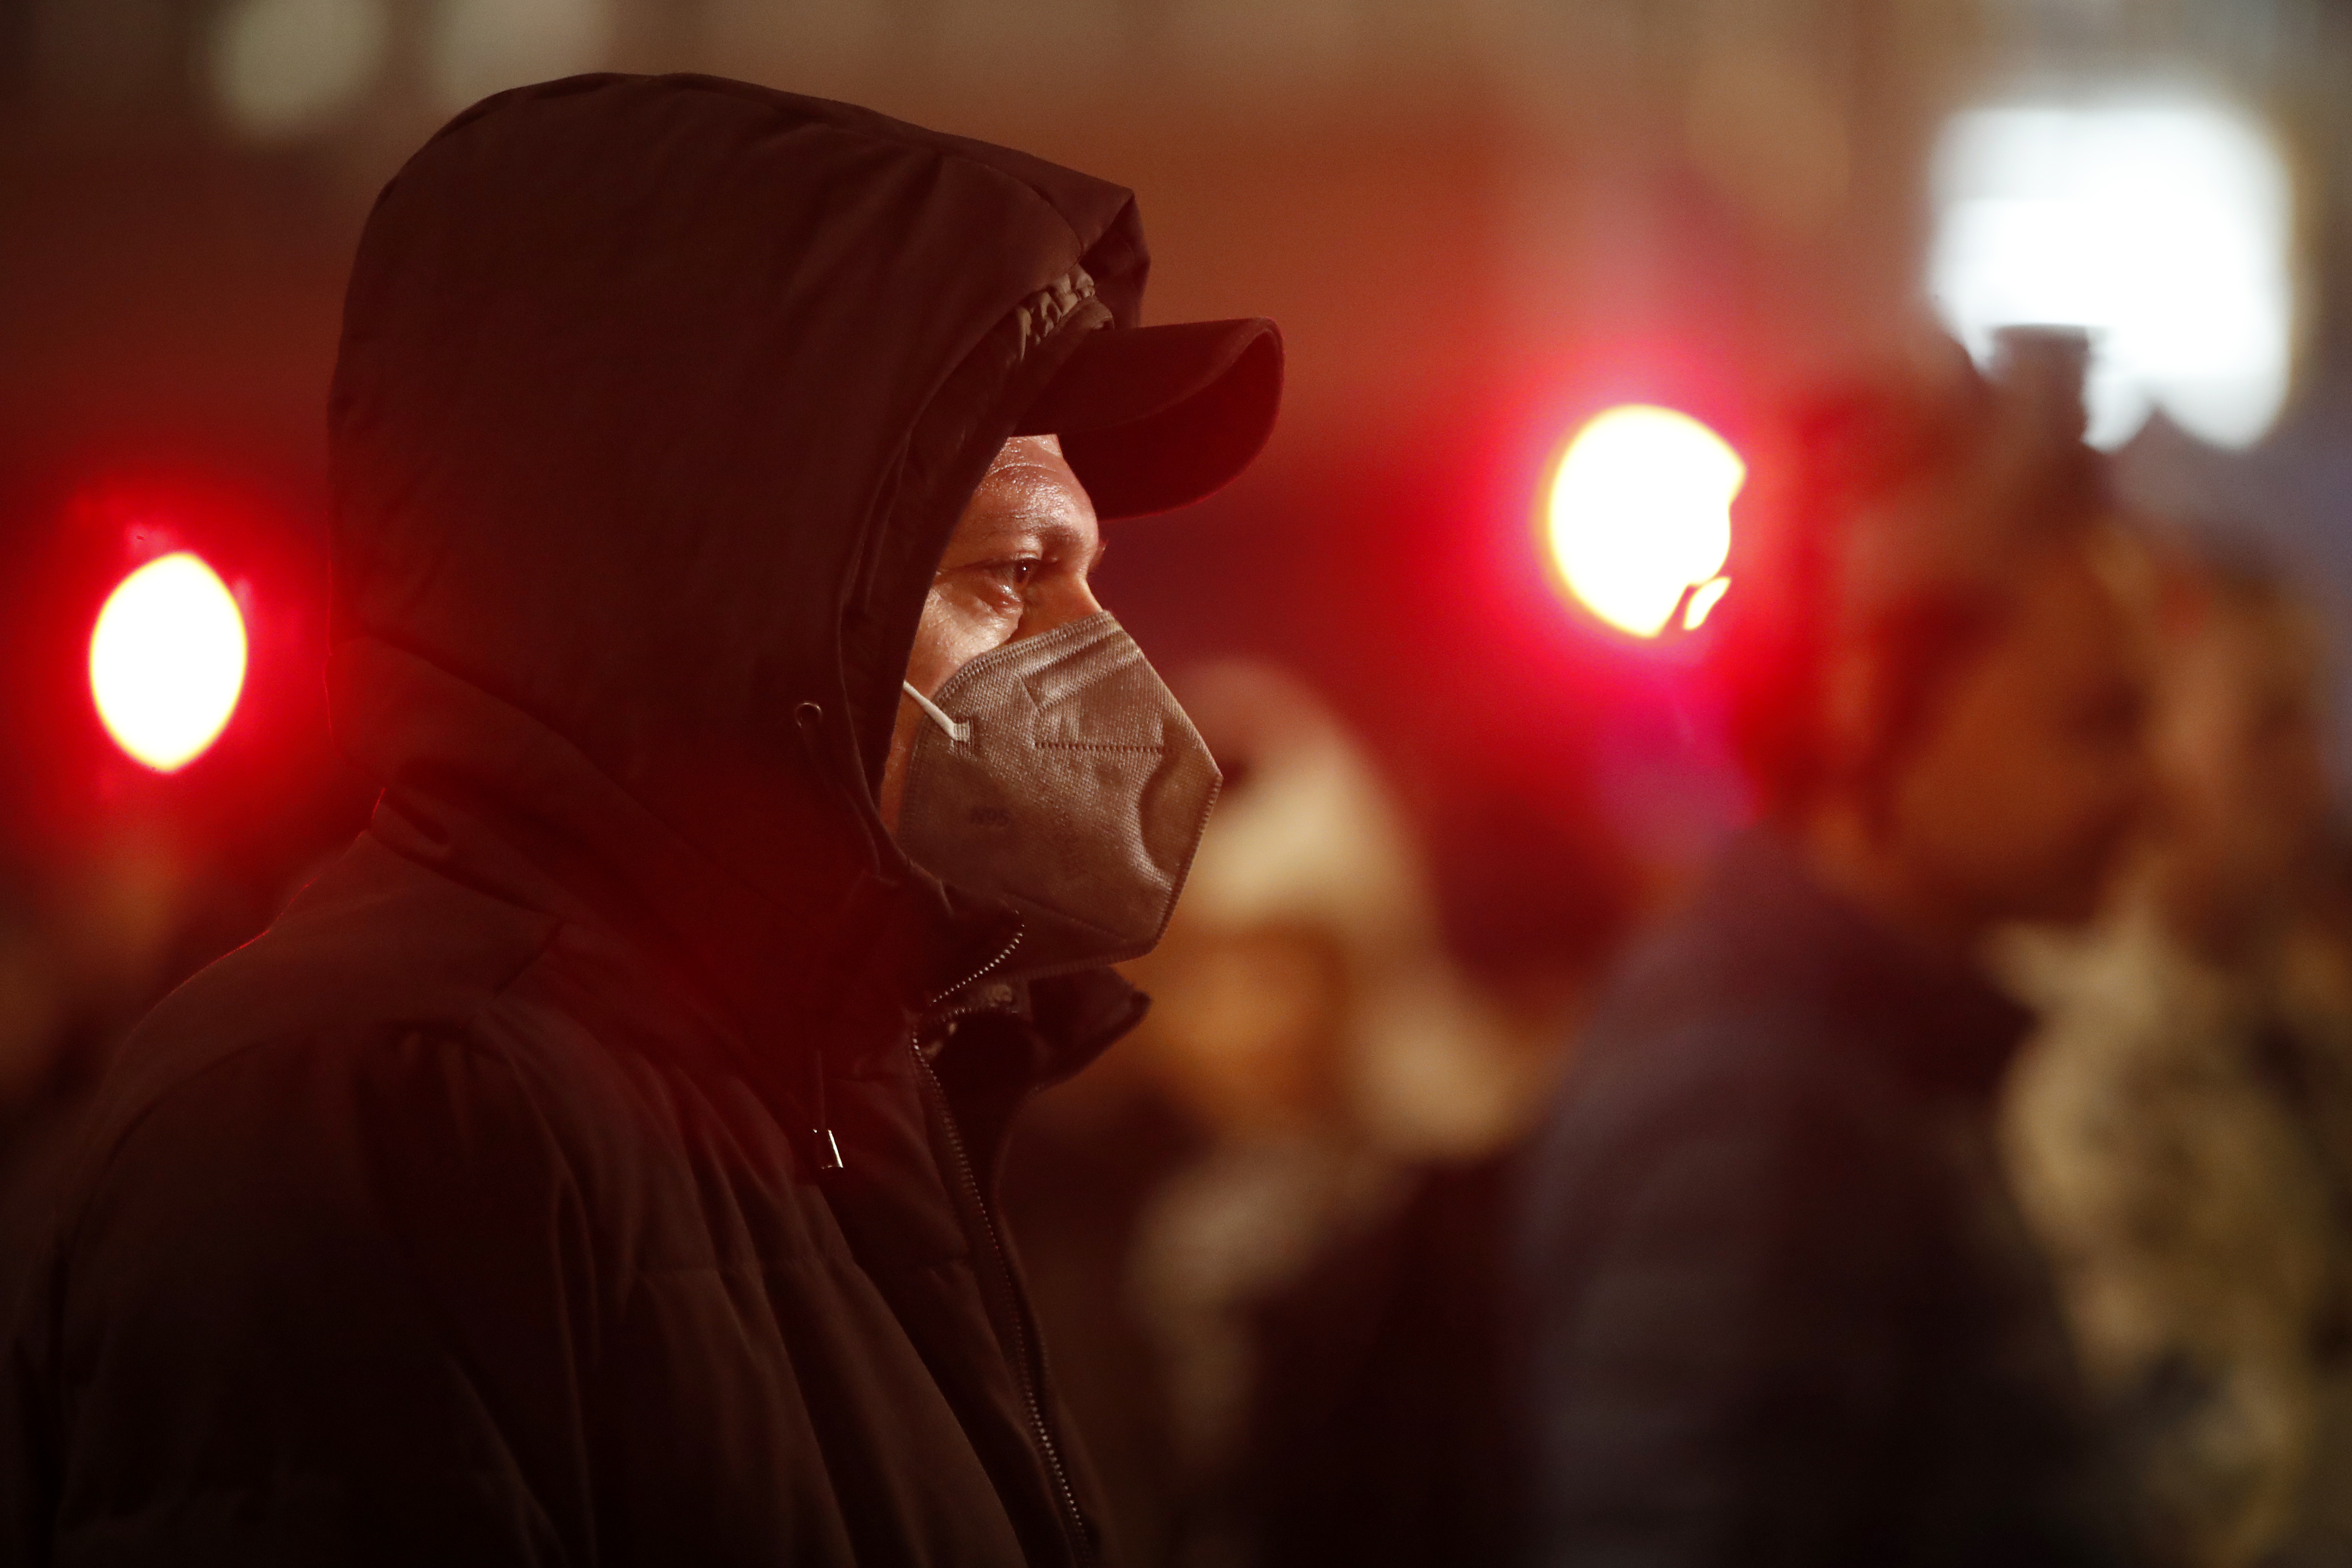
949	636
2275	801
2004	796
2075	797
1959	810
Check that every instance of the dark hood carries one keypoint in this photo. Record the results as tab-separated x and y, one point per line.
657	400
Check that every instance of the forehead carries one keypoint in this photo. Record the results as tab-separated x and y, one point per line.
1029	487
2271	640
1033	466
2271	617
1040	455
2068	617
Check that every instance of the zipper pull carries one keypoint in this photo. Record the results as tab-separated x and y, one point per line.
824	1146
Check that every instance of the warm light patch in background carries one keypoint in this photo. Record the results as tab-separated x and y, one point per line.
287	68
480	47
1640	516
167	661
2164	229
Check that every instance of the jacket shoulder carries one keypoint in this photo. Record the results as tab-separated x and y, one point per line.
1688	1015
377	946
308	1149
1697	1050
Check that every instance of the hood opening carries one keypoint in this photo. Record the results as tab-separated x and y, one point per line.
658	401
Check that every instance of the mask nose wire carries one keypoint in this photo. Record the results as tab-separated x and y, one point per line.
959	733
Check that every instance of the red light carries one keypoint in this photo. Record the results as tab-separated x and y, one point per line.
1639	518
167	661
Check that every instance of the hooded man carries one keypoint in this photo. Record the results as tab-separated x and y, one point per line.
593	1165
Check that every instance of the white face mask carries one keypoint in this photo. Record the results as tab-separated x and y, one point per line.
1059	775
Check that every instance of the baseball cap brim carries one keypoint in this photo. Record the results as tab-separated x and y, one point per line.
1152	418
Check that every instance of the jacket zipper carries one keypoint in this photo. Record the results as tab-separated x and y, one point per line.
1027	1363
1012	945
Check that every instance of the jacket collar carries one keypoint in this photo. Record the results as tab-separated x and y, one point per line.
485	794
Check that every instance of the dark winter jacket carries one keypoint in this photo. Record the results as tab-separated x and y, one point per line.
1784	1311
590	1167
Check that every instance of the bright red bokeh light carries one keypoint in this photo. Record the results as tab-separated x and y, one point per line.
167	661
1638	518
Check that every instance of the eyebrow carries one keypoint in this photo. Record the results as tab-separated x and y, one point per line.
1070	538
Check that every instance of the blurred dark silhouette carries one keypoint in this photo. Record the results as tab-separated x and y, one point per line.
1781	1308
1230	1224
1385	1429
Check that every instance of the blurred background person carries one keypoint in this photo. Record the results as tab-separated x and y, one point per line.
1383	1428
1309	1039
1780	1307
2177	1128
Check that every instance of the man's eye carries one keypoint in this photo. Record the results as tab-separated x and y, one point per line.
1017	574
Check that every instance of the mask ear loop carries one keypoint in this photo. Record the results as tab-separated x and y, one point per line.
958	732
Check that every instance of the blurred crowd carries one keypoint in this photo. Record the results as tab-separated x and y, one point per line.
2177	1130
1469	1195
1317	1251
